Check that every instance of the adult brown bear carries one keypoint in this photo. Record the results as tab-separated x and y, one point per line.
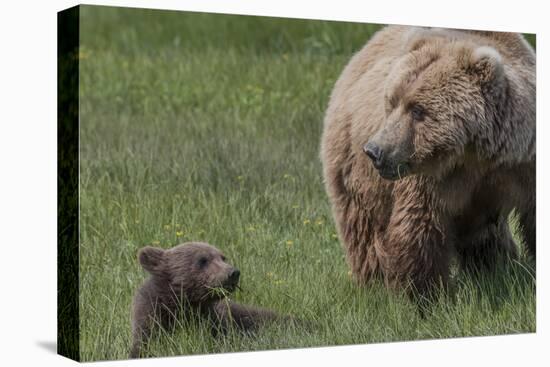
428	146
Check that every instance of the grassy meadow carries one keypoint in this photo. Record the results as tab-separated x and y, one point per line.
207	127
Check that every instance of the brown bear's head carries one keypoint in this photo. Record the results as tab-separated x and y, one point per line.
194	271
440	100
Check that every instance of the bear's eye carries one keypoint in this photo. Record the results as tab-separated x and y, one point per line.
417	113
223	258
202	262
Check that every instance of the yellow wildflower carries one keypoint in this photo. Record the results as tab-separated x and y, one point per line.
83	54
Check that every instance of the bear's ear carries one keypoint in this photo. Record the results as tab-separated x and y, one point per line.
151	259
486	64
418	44
415	38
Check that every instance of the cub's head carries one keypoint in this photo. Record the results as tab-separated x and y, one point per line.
441	100
194	270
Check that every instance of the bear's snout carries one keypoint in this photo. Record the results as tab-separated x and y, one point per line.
232	279
387	163
234	275
375	153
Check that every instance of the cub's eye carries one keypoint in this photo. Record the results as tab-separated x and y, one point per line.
202	262
417	113
223	258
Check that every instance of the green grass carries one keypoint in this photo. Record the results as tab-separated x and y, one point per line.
207	127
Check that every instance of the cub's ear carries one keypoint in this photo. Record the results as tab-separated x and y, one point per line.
150	259
486	63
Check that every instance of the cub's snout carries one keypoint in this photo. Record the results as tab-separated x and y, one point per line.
232	279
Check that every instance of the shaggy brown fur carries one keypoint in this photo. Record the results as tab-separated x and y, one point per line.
181	283
447	121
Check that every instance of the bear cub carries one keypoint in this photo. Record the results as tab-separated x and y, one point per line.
191	278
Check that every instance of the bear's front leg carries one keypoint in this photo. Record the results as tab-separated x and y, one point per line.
415	253
528	223
141	331
245	318
487	247
527	208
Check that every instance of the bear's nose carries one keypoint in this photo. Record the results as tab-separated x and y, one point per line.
374	152
234	275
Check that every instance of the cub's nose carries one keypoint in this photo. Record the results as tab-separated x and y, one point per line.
234	275
374	152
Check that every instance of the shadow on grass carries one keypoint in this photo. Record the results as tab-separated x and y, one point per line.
511	280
